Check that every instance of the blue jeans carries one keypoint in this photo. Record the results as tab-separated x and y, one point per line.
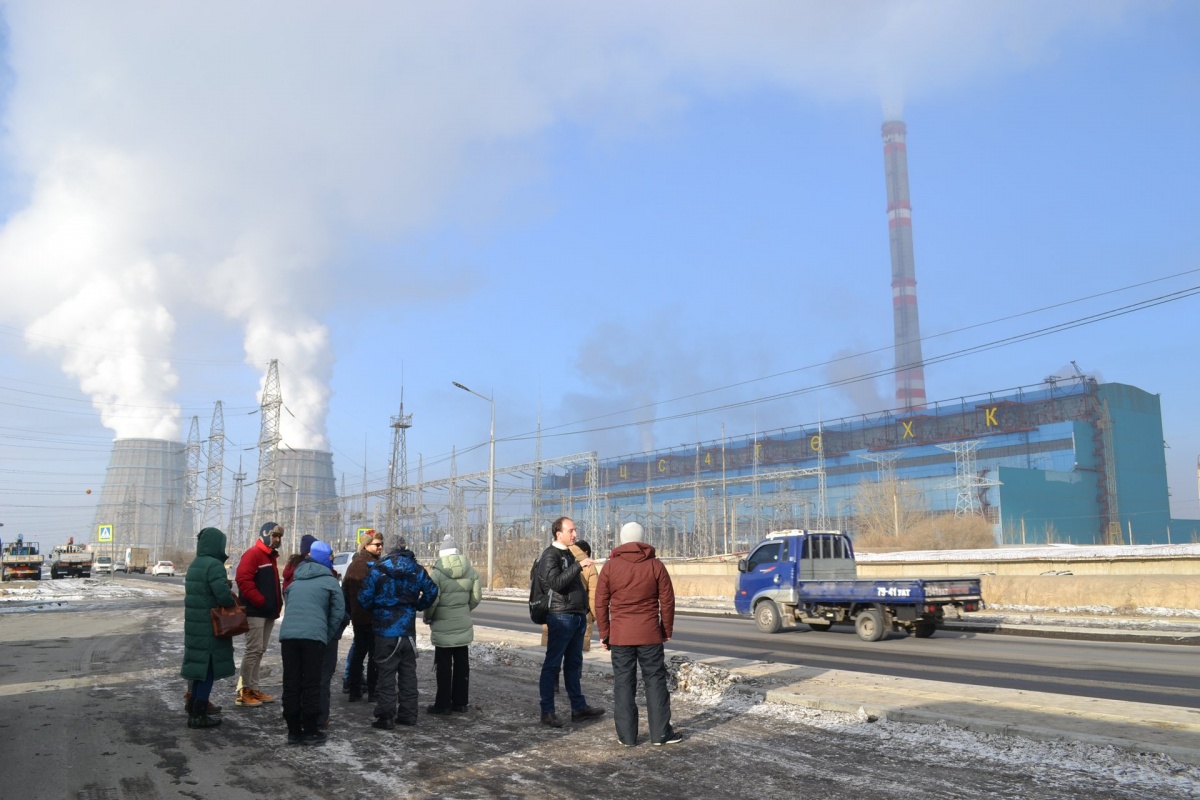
564	649
202	690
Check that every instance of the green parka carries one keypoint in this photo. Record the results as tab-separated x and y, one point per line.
458	593
205	587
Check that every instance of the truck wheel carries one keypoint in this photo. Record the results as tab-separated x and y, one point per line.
766	616
869	625
924	629
820	626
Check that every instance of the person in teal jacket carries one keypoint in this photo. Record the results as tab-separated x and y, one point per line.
206	659
451	629
313	612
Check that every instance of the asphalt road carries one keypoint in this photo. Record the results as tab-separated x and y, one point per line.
1147	673
90	709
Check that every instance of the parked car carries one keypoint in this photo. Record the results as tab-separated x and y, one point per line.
120	567
341	561
163	568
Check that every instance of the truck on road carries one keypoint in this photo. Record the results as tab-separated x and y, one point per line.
71	560
810	577
137	559
21	561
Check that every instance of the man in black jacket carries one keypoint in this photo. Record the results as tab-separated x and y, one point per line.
559	572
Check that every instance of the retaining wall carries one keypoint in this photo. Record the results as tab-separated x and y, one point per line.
1165	587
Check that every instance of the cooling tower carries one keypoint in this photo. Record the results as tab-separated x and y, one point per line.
910	368
143	499
307	498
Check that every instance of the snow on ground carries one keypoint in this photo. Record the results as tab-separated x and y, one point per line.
725	696
18	596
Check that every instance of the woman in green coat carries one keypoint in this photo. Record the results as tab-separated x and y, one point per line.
206	658
451	629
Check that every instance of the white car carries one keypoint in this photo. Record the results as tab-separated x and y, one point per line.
163	568
341	561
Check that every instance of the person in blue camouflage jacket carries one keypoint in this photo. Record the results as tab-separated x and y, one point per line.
394	592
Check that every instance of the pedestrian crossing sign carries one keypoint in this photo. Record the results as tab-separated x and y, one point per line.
104	533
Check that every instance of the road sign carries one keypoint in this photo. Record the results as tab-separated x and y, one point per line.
104	533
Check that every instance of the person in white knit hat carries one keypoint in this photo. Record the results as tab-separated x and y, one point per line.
635	609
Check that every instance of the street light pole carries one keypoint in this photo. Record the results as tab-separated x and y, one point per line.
491	524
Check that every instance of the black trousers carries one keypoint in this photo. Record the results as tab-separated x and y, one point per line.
303	662
396	694
453	670
364	645
625	662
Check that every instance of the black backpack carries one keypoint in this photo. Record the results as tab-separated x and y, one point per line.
539	598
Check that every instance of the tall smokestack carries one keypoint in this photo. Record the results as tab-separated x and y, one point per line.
910	367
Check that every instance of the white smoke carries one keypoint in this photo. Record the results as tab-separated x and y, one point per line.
212	155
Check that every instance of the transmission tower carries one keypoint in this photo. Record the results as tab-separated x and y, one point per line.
237	524
398	471
191	495
966	481
266	498
885	464
215	474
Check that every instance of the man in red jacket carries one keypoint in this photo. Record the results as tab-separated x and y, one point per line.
635	609
258	583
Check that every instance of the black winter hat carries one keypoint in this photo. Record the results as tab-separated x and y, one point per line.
264	533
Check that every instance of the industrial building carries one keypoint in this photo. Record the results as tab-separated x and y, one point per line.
1074	461
1065	461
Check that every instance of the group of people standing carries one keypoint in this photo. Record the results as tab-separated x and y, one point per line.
633	602
631	599
380	596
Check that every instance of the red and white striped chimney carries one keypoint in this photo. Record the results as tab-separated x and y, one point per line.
910	367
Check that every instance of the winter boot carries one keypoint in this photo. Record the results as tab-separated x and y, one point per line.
187	705
295	734
312	734
203	721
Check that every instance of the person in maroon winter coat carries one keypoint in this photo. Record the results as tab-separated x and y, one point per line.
635	609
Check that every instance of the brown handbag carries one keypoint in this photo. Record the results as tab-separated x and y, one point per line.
229	622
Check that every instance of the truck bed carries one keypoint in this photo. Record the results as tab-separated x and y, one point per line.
912	590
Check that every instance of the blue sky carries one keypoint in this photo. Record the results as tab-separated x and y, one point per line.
582	215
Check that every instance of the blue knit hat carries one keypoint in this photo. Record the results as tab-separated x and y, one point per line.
322	553
306	543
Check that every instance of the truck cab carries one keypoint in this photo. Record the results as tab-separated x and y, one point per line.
773	567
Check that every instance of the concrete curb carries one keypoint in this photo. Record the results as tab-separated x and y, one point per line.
1128	726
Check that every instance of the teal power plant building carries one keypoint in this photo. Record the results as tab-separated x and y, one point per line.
1067	460
1071	461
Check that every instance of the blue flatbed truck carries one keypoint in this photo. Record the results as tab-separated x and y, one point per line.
810	577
